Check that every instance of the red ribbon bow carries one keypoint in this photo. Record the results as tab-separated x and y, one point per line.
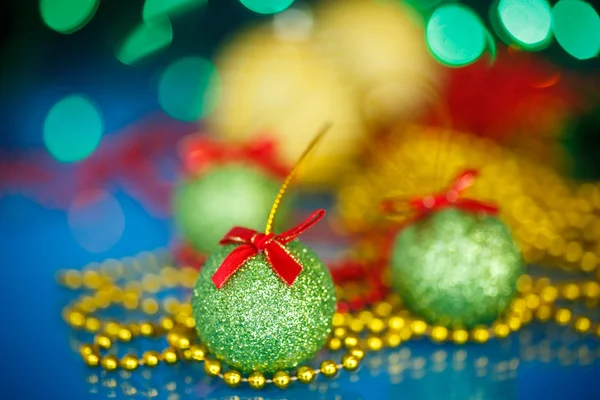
450	198
199	153
273	246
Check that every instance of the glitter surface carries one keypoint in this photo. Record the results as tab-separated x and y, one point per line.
206	207
256	321
456	269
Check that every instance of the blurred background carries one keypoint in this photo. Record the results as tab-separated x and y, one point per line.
110	108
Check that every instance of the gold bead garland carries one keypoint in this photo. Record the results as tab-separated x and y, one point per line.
384	325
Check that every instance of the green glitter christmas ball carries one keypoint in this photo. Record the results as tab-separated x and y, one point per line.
207	206
455	268
256	321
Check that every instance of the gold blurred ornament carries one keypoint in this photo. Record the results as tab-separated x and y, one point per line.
380	46
280	87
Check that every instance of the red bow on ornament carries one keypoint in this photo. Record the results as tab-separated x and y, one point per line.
450	198
273	247
199	153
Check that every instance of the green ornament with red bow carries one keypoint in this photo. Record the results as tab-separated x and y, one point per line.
224	185
455	263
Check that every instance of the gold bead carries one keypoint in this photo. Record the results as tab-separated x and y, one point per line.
524	283
396	323
281	379
571	291
167	323
405	333
86	349
91	359
418	327
338	319
76	319
350	362
92	324
151	359
305	374
514	323
190	322
334	343
591	290
173	338
186	354
109	362
198	352
169	355
212	367
365	316
383	309
543	313
146	329
562	316
91	279
480	334
501	330
392	339
134	329
374	343
582	324
356	325
357	352
532	301
103	341
376	325
439	333
340	332
328	368
112	328
232	378
350	341
183	343
256	380
124	335
171	305
460	336
549	294
129	362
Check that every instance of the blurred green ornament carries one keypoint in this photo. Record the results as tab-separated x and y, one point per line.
456	268
256	321
207	206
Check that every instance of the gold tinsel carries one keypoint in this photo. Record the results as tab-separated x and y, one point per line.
547	214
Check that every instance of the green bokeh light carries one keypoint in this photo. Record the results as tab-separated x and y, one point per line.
577	28
157	8
266	6
527	22
455	35
189	88
147	38
73	128
67	16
